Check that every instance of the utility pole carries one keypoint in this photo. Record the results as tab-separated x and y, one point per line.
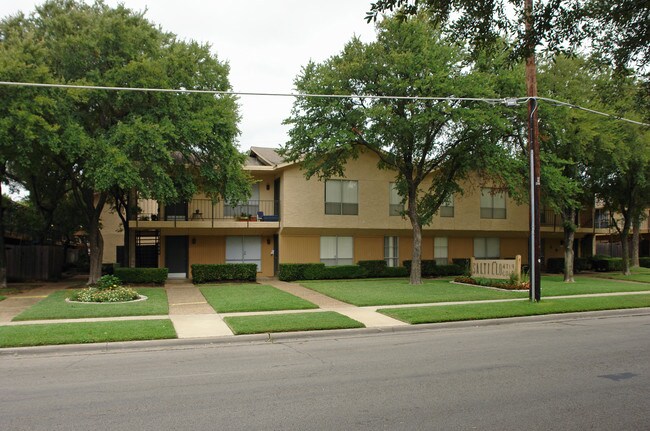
533	148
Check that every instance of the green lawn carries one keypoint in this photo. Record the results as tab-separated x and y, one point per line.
55	307
554	286
290	322
450	313
641	275
85	332
398	291
232	298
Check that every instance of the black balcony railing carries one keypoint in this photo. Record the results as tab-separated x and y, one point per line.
205	209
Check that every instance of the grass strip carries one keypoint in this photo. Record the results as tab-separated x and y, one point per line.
392	292
2	298
232	298
290	322
55	307
452	313
85	332
555	286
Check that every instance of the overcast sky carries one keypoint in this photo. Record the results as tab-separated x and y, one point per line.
265	42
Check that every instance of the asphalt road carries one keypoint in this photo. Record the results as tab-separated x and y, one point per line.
571	374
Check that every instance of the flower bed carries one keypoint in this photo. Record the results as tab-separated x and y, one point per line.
107	289
498	284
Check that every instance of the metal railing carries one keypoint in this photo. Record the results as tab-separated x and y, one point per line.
205	209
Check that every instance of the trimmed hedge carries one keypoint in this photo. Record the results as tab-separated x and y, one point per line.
644	262
205	273
607	264
464	263
318	271
555	265
293	271
430	269
141	275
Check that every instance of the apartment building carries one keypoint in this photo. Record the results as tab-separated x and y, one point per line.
340	221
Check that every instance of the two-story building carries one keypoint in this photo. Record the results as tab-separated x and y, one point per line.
290	219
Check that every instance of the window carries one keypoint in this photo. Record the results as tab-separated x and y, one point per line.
447	207
440	250
336	250
391	251
341	197
395	206
487	248
493	203
244	249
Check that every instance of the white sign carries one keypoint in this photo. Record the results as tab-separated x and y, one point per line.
496	268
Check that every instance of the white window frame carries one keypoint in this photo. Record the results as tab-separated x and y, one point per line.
447	207
337	250
441	250
391	251
395	206
341	197
487	248
493	203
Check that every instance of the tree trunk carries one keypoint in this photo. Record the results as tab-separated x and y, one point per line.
636	234
569	235
3	253
625	233
416	259
131	209
96	251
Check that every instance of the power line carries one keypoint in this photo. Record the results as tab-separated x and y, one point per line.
510	101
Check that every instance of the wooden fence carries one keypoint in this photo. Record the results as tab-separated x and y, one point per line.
34	262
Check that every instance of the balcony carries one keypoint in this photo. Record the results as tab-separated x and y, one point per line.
203	213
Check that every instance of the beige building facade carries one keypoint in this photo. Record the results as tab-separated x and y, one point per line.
290	219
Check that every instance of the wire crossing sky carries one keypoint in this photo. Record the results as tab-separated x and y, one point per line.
509	101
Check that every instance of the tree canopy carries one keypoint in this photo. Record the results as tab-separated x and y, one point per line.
619	31
165	145
430	145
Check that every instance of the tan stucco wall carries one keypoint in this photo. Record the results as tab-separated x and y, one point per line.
299	249
460	248
511	247
303	204
368	248
113	234
553	248
207	249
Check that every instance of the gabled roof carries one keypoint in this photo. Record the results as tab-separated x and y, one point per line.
264	156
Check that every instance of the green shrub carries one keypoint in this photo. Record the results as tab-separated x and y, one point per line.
396	271
314	271
581	264
464	263
294	271
141	275
430	269
555	265
606	264
205	273
373	268
343	271
644	262
446	270
108	282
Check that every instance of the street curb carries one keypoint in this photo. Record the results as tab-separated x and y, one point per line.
301	336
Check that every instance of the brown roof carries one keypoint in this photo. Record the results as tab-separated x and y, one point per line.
264	156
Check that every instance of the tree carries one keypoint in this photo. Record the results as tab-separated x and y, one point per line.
567	142
620	31
620	171
165	145
431	145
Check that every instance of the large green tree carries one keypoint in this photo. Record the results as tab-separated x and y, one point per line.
620	170
568	140
165	145
619	31
430	145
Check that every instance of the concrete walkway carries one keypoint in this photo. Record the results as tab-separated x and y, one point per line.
191	314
